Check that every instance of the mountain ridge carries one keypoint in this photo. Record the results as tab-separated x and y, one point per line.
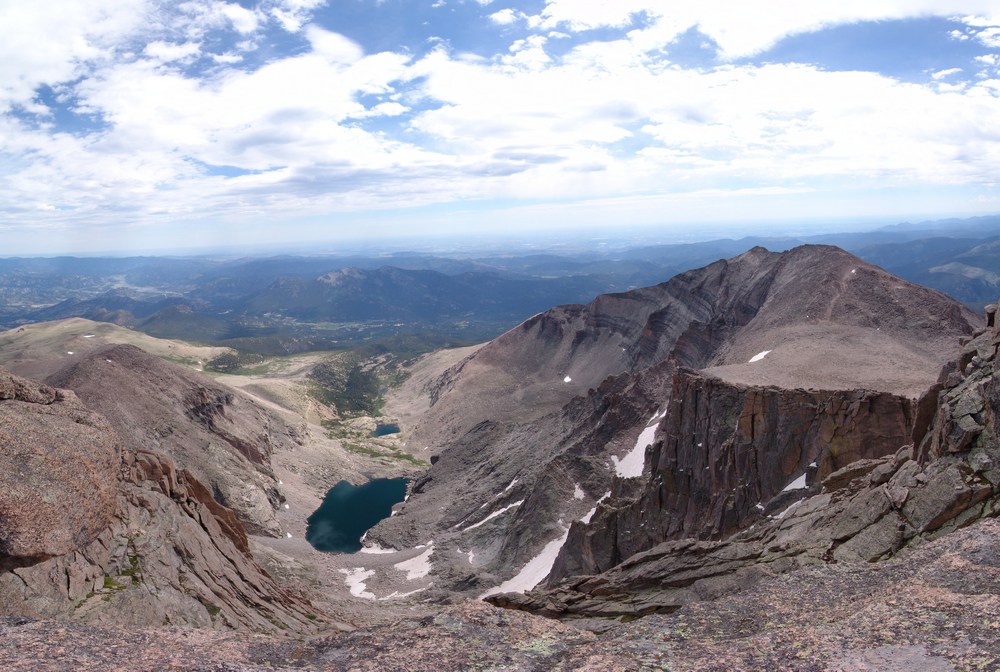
513	423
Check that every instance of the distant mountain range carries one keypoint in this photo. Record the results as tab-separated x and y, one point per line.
288	303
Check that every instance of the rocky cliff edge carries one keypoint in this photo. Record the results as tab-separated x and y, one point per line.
95	531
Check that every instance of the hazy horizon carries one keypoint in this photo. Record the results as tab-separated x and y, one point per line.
568	241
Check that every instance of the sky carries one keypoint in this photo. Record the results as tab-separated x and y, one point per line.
156	124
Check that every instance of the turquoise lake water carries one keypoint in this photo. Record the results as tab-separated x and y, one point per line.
385	430
348	511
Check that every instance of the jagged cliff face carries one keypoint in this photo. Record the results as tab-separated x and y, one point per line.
726	451
94	529
532	429
870	509
223	439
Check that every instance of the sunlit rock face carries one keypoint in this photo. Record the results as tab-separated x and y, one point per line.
59	466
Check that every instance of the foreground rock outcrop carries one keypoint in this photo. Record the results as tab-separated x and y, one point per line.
57	495
95	530
932	608
868	510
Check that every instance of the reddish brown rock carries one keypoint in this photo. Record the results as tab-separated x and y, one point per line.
59	465
224	439
95	532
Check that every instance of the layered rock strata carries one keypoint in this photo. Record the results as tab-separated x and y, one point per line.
727	454
868	510
93	530
221	437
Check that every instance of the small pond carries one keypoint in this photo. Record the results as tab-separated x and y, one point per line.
385	430
348	511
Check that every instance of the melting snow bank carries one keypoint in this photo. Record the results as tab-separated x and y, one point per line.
759	356
786	511
417	567
395	595
798	484
494	515
539	567
631	465
590	514
375	548
355	580
532	573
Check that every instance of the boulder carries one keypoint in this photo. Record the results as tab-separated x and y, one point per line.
59	465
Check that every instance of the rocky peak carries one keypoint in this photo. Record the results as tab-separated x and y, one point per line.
870	509
341	277
743	388
728	456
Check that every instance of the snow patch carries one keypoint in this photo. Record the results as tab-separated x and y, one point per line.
494	515
512	484
798	484
759	356
590	514
376	549
759	506
418	567
631	465
355	580
395	595
567	379
785	512
534	572
90	335
578	492
69	353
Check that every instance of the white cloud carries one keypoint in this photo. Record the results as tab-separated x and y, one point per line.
227	58
292	15
506	17
40	46
747	27
243	20
166	52
606	122
944	74
333	46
